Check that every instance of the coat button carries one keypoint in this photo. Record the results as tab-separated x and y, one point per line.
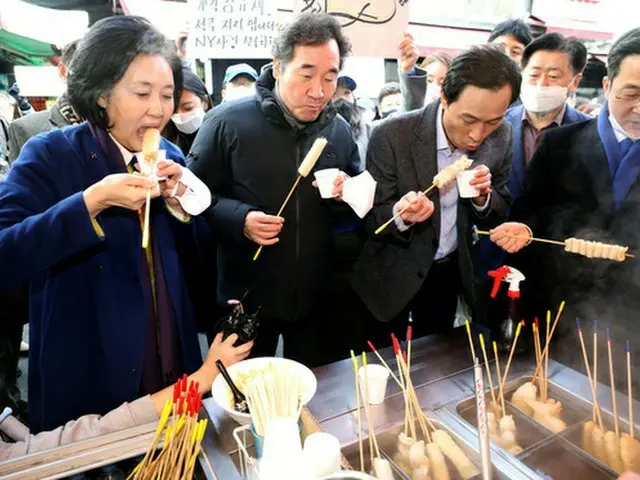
99	268
94	155
133	371
420	275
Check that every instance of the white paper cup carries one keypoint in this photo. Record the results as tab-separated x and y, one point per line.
282	451
377	378
322	454
465	190
325	179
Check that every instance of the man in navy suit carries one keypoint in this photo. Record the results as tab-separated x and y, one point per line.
552	68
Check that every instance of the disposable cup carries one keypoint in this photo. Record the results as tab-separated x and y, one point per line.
465	189
282	451
322	454
377	378
325	179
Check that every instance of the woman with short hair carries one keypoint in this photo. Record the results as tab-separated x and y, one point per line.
109	320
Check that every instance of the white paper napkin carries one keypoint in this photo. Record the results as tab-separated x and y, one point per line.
359	192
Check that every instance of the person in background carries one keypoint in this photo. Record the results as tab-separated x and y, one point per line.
420	85
61	114
583	183
345	89
142	411
6	111
512	36
552	68
23	106
360	130
109	320
592	109
389	100
239	82
367	109
248	153
195	101
422	261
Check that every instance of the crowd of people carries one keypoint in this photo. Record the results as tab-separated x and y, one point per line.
111	322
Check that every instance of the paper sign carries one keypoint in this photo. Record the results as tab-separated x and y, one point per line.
375	27
233	28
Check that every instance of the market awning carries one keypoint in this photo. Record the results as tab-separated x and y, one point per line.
26	51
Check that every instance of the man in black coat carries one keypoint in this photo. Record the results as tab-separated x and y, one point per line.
248	152
583	183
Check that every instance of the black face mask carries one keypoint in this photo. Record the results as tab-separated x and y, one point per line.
389	112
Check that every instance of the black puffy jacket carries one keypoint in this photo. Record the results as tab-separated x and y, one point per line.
248	155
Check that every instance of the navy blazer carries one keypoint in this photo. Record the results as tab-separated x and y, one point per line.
490	256
88	313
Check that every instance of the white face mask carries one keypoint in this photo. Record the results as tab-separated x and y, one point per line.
188	122
433	92
542	99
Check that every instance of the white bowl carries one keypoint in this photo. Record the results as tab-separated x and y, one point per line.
221	392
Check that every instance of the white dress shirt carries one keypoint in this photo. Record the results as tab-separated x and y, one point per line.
196	198
448	241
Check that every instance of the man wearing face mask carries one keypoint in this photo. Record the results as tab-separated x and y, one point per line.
389	100
552	68
583	183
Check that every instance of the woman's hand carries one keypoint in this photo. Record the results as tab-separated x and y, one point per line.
119	190
226	353
511	236
172	171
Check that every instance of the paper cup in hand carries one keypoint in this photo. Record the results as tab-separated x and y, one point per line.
377	378
465	189
325	179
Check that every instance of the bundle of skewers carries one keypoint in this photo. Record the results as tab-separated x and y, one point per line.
578	246
532	398
181	434
621	451
502	428
423	450
441	180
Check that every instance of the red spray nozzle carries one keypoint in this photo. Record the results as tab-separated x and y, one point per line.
498	276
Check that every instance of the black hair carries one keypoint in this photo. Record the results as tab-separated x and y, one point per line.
104	55
310	29
351	114
391	88
68	52
516	28
556	42
482	66
192	83
628	44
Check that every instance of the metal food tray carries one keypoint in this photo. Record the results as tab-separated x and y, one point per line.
555	455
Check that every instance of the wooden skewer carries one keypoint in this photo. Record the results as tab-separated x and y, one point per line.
392	219
409	338
513	349
284	204
495	353
629	386
595	366
416	404
473	350
546	358
546	348
586	364
486	364
355	370
536	347
613	387
537	239
373	443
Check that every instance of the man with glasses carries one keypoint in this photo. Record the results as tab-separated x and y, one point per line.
583	183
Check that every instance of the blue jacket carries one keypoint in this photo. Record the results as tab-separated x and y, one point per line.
491	256
87	309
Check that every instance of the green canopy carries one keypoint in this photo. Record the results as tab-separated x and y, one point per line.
26	50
